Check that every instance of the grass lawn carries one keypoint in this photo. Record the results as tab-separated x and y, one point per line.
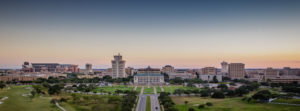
158	89
171	89
290	101
138	89
148	90
228	104
148	104
17	102
112	89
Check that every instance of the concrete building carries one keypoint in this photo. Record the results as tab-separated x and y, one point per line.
209	70
129	71
209	77
89	67
224	69
44	67
168	69
182	75
236	70
149	79
118	67
285	79
148	70
69	68
287	71
270	73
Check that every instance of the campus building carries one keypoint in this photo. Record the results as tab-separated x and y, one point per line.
118	67
209	70
236	70
168	69
224	69
271	73
149	76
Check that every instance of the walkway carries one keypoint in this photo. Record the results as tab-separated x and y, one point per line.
56	103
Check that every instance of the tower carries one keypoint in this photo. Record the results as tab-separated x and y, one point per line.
118	67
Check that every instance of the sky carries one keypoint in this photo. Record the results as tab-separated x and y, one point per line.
181	33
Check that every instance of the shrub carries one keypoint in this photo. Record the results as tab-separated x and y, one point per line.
209	104
191	109
201	106
218	94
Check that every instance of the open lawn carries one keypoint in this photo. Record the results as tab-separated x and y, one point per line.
148	90
138	89
228	104
171	89
112	89
81	102
17	102
290	101
158	89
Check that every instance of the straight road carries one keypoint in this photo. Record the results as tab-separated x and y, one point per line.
154	103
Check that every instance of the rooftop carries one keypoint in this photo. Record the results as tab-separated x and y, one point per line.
148	75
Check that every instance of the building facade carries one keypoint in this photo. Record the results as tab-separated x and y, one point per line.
209	70
182	75
168	69
209	77
148	70
236	70
224	69
118	67
149	79
271	73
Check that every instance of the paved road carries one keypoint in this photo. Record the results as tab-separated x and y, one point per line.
142	103
143	100
154	103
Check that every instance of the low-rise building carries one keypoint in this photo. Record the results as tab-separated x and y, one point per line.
149	79
209	77
182	75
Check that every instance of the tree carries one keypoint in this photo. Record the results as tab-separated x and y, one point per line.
186	102
218	94
201	106
54	90
241	90
209	104
205	93
263	95
223	86
2	85
215	80
191	109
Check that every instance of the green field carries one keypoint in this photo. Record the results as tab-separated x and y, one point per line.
148	104
171	89
158	89
112	89
17	102
290	101
149	90
138	89
228	104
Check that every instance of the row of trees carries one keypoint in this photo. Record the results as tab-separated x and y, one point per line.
167	102
129	100
2	85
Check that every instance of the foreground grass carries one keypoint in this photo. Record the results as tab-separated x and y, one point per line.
17	102
148	104
149	90
158	89
290	101
228	104
138	90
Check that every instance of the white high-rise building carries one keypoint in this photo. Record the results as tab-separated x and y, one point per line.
224	68
118	67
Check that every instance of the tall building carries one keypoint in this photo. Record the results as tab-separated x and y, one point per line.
271	73
88	67
168	69
236	70
129	71
209	70
118	67
224	69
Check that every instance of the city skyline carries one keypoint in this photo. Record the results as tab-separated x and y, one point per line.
192	34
